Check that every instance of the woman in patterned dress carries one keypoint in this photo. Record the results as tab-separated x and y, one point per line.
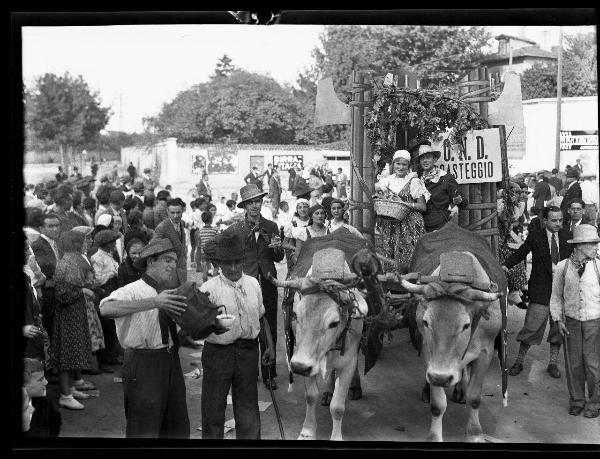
71	346
398	237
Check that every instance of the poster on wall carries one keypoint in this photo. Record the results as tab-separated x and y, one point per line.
578	140
479	163
258	161
222	159
198	164
286	162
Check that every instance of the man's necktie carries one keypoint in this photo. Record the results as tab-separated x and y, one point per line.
554	249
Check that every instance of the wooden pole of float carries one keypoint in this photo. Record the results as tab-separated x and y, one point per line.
356	150
368	173
558	100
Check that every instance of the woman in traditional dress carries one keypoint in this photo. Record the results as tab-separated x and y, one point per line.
300	219
337	218
442	188
71	347
315	228
398	237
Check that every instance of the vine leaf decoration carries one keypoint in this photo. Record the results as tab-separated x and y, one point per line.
428	112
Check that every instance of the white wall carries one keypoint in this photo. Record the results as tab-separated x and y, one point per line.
577	114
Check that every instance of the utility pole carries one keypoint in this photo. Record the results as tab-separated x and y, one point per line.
558	99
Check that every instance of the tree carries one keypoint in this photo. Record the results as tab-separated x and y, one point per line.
580	68
63	112
224	67
242	107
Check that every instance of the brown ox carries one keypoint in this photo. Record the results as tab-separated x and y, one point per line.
446	320
320	322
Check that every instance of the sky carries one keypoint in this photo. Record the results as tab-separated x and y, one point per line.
136	69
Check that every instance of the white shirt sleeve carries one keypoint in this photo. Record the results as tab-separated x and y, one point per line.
418	189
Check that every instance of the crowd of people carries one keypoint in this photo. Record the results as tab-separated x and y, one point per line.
103	262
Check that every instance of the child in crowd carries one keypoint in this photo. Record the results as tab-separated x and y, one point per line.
205	234
43	419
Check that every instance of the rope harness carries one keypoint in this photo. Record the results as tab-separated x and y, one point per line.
345	299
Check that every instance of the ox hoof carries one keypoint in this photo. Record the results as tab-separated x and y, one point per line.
458	394
306	436
476	439
326	398
434	438
355	393
425	395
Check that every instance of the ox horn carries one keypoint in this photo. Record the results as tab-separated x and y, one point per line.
292	283
478	295
413	288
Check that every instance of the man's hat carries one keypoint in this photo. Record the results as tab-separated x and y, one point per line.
573	173
250	192
138	186
155	247
228	248
105	236
424	149
583	234
301	189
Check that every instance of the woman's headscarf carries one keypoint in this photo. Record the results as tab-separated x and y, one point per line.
312	210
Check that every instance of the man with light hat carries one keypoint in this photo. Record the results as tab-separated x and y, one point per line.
230	359
575	307
153	385
262	247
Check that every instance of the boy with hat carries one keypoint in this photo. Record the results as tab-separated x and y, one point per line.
262	247
154	389
575	307
230	359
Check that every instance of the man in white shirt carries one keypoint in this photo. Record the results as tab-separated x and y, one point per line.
575	307
153	385
589	195
230	359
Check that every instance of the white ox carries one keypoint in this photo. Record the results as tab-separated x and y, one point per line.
320	322
445	323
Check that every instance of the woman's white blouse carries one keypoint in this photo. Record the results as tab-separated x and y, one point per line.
397	184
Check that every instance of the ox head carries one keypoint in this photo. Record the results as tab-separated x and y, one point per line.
445	316
319	323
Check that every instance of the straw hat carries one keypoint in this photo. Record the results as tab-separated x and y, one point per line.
424	149
250	192
155	247
584	234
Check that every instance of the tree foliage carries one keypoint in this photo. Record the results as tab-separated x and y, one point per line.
237	106
63	112
580	67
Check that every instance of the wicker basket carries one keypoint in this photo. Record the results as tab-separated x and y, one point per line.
390	209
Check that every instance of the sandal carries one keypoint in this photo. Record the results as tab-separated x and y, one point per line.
591	413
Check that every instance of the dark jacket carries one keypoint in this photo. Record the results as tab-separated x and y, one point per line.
541	193
34	347
160	213
46	420
442	193
44	255
127	273
258	257
165	229
540	280
574	192
556	182
585	220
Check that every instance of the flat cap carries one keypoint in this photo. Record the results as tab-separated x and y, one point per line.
105	236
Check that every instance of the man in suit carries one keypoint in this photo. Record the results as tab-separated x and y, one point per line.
47	255
115	208
274	190
260	253
203	187
173	229
254	178
547	247
575	216
541	192
572	189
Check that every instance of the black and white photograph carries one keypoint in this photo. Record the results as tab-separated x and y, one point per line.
377	229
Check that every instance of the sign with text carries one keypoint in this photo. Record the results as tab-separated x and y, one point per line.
479	163
578	140
285	162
